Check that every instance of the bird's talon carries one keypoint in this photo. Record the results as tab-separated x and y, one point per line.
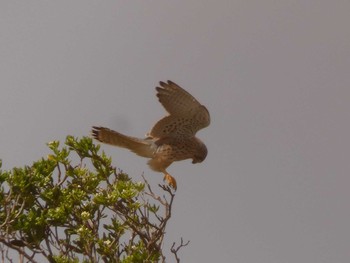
170	180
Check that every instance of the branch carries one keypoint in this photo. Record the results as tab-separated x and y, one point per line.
175	250
20	250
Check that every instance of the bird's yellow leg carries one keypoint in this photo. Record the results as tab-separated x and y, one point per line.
170	180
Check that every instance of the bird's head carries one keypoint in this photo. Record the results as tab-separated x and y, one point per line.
200	153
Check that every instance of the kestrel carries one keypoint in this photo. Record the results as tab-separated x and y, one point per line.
172	138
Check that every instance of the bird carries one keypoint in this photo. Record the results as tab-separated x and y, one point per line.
172	138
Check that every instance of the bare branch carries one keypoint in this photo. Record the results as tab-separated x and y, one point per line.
175	250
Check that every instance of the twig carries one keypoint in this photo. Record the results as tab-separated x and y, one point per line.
175	250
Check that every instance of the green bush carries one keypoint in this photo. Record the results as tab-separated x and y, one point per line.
74	206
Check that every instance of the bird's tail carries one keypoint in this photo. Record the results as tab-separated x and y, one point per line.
142	147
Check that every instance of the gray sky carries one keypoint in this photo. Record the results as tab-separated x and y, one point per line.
273	74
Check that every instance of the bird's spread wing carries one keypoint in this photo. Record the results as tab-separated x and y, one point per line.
141	147
175	99
186	114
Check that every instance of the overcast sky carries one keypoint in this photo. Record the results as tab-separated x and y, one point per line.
274	76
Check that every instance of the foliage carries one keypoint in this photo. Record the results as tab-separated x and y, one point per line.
82	212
